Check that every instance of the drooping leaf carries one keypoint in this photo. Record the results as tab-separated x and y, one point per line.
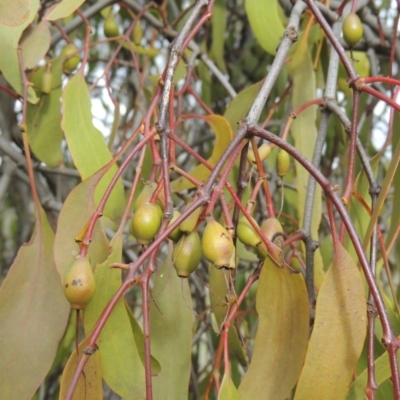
218	21
223	136
35	43
44	119
63	9
265	23
382	373
283	329
86	143
219	306
90	385
139	339
304	89
119	358
9	65
339	332
171	319
240	105
14	12
228	390
78	208
33	315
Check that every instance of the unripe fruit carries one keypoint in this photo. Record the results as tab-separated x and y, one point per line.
110	27
71	61
282	163
264	150
189	224
272	229
145	195
146	223
217	244
246	233
186	255
176	234
137	33
79	284
46	82
352	29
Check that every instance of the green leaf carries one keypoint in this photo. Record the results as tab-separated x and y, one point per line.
219	306
35	43
33	315
63	9
87	144
265	23
228	390
382	373
14	12
223	136
339	332
283	329
90	385
80	203
139	339
120	362
218	20
304	89
240	105
44	119
171	333
9	65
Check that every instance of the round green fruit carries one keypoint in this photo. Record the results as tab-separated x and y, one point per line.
282	163
217	244
176	234
146	223
352	29
79	283
72	58
246	233
263	151
190	223
186	255
110	27
46	82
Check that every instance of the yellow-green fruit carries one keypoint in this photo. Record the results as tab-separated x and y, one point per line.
352	29
246	233
217	245
272	229
71	61
264	150
137	33
186	255
79	284
111	28
176	234
282	163
46	82
146	223
189	224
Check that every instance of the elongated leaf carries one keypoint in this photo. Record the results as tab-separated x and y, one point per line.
265	23
74	215
339	332
90	385
228	390
219	306
282	335
171	333
9	65
63	9
44	119
218	20
223	136
33	315
120	362
382	373
14	12
35	43
86	143
304	88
